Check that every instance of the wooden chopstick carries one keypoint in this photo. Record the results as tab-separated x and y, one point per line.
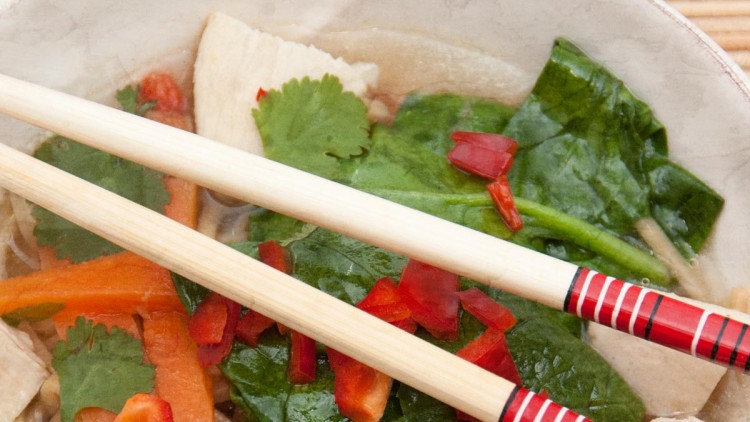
693	9
726	22
478	256
277	295
597	297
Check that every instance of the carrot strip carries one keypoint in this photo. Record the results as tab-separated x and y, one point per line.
180	380
184	200
124	282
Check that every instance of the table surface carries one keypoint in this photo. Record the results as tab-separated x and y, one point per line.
726	21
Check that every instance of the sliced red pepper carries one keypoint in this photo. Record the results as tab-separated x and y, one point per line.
384	302
207	323
430	294
490	351
361	392
302	359
503	198
211	354
275	255
163	89
251	326
260	94
480	161
491	313
491	141
145	408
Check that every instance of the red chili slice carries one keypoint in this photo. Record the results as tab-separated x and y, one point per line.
430	294
480	161
212	354
145	407
490	351
260	94
275	255
491	141
491	313
384	302
207	324
302	359
361	392
163	89
251	326
503	199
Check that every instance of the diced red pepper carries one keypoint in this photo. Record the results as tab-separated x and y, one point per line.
251	326
275	255
165	91
361	392
207	323
260	94
491	313
430	294
490	351
480	161
503	198
384	302
145	408
302	359
491	141
211	354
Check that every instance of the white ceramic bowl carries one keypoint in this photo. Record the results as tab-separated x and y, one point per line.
92	47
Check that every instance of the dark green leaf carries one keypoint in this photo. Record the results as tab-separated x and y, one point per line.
122	177
550	359
261	387
589	148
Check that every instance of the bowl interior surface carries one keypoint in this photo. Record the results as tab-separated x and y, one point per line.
91	48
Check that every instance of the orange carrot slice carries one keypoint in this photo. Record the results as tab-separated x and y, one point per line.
119	283
180	380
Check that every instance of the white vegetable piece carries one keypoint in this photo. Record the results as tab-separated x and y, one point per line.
234	61
688	419
21	372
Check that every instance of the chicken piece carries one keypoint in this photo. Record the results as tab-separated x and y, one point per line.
21	372
235	61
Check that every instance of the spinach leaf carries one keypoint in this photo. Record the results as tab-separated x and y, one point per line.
340	266
261	387
589	148
550	359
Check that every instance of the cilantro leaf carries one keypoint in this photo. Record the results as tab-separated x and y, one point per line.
122	177
99	369
314	126
128	99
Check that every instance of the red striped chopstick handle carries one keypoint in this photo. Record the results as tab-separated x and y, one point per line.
662	319
526	406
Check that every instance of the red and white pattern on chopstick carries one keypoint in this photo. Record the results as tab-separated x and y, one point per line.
526	406
653	316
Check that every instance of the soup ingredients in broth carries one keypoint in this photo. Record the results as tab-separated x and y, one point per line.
586	161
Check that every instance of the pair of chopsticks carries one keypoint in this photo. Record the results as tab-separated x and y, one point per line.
303	308
478	256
